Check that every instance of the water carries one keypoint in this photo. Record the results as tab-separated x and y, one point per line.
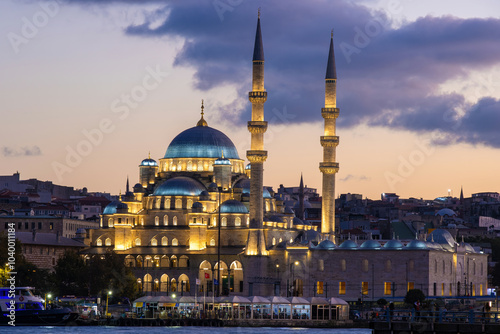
178	330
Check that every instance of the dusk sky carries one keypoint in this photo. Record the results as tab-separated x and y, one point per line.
90	87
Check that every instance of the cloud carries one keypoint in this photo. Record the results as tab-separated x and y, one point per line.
387	76
21	151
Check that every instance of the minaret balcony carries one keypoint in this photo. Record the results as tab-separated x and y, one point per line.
330	112
329	167
329	141
257	127
256	156
257	96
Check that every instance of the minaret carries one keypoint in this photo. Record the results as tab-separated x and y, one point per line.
329	141
256	155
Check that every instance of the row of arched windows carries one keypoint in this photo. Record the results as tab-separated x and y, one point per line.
157	261
164	284
154	241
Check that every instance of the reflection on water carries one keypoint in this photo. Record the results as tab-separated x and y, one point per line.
177	330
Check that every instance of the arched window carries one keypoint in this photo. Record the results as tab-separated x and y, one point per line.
173	285
212	242
139	261
200	165
223	221
137	242
156	261
237	221
183	261
98	242
173	261
147	282
435	266
142	221
184	283
248	221
214	222
154	242
110	222
190	165
274	241
364	265
157	221
165	220
189	203
164	241
178	203
129	261
165	261
139	284
158	203
108	242
167	203
321	265
156	285
164	283
175	242
174	221
148	261
343	265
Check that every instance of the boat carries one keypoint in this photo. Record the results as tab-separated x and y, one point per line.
20	307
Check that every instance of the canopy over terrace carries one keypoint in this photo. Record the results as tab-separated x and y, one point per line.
341	308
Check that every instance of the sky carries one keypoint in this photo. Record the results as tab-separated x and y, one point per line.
89	88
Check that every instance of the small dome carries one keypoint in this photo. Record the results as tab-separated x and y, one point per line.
348	244
288	210
149	163
138	188
393	244
297	221
307	205
469	248
112	207
275	218
325	244
417	244
179	186
248	167
81	231
197	205
212	186
370	244
446	212
233	206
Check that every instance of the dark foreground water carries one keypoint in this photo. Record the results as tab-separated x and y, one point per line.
179	330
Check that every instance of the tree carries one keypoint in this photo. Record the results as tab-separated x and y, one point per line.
70	275
414	295
495	273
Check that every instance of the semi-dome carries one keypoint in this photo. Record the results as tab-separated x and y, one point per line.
442	237
201	142
245	188
180	186
393	244
348	244
233	206
370	244
112	207
416	244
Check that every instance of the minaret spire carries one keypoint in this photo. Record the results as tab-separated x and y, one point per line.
257	155
329	141
301	198
127	187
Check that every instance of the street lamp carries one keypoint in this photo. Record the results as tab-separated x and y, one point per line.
49	296
107	298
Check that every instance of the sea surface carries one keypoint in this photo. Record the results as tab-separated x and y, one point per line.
178	330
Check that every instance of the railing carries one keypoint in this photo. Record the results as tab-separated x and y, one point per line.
440	316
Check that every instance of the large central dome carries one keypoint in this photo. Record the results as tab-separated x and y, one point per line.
201	142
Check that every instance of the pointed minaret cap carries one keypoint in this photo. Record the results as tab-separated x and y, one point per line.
202	121
331	72
258	50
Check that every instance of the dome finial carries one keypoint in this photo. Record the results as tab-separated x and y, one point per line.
149	154
258	13
222	154
120	196
202	121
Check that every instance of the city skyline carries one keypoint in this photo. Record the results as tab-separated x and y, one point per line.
418	95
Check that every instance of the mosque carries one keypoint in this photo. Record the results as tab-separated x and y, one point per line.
201	221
